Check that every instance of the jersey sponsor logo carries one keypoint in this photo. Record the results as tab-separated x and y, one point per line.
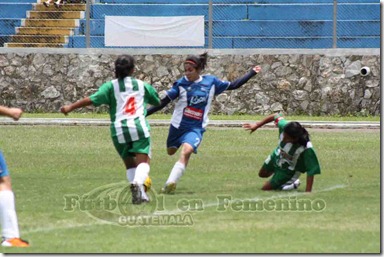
198	99
193	113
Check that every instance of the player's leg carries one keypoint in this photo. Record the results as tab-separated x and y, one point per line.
293	183
142	150
190	142
8	217
174	140
127	157
279	178
268	168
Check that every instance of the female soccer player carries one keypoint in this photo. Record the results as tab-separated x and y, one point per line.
127	98
8	217
293	154
195	93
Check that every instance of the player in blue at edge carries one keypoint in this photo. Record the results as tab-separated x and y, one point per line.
195	93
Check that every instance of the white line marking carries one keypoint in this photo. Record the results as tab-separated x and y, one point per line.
53	227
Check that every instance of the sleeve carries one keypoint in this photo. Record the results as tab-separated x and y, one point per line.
242	80
151	95
103	95
312	166
220	86
174	91
280	122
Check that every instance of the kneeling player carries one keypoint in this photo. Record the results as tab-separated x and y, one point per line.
294	155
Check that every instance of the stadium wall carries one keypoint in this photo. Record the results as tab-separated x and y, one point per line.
308	81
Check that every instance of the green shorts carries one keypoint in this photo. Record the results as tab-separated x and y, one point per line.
280	176
131	148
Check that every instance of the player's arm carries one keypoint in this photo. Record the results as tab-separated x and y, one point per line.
310	179
14	113
102	96
164	101
255	126
242	80
79	104
151	95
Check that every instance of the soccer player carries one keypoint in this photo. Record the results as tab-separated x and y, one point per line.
8	217
294	155
127	98
195	93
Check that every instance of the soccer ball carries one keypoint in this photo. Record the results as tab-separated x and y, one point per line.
147	184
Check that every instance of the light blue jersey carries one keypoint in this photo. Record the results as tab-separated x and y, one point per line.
195	98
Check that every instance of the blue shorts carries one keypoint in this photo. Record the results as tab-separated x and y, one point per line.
191	136
3	166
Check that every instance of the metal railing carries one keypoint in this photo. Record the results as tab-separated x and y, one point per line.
230	24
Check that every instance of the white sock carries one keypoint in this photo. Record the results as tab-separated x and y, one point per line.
144	195
131	174
8	218
142	172
176	172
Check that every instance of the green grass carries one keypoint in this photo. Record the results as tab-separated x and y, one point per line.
49	163
91	115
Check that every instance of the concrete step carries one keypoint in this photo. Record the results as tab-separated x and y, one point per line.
56	15
53	39
33	45
63	23
44	31
66	7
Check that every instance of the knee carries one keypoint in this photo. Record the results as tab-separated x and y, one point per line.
267	186
263	173
171	151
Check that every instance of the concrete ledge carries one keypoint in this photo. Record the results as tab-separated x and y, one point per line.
212	123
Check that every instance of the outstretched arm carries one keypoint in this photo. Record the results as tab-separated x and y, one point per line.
253	127
242	80
14	113
81	103
164	101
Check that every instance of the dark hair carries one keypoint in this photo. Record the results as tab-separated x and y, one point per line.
124	65
198	62
295	130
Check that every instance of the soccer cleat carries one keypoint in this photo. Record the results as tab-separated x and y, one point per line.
296	184
169	188
46	4
14	242
136	194
57	4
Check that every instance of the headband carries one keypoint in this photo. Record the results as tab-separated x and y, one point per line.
191	62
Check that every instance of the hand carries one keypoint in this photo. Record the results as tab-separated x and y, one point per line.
65	109
251	127
257	68
15	113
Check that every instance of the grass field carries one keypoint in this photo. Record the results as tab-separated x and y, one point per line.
50	165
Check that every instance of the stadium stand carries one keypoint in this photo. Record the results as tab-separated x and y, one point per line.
34	25
236	23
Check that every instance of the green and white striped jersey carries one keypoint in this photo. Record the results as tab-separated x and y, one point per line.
294	156
127	100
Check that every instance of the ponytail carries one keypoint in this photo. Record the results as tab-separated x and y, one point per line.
198	62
